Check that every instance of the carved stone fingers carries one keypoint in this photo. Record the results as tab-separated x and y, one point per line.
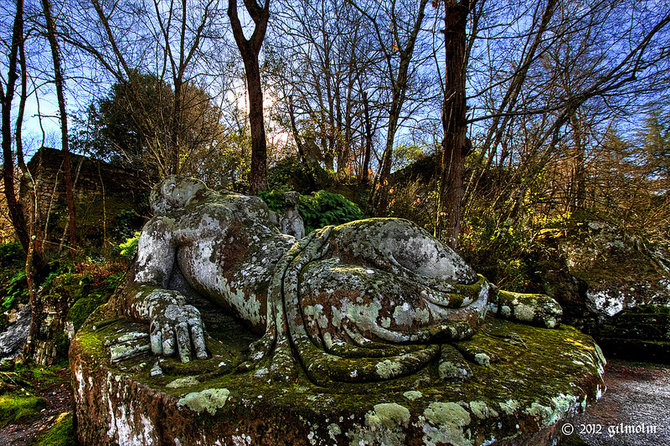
178	329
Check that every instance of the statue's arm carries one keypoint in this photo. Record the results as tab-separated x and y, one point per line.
175	325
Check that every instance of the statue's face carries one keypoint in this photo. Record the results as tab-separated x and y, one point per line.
174	193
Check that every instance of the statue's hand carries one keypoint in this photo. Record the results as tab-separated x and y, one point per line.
175	326
535	309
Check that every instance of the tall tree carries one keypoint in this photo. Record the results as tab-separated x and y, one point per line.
322	53
22	218
175	45
60	94
7	96
250	50
455	145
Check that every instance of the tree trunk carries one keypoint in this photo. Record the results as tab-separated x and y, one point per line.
6	96
60	93
36	307
258	179
249	49
454	144
368	139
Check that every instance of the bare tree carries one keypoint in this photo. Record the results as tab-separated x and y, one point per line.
250	49
175	48
545	82
398	56
455	145
7	93
60	93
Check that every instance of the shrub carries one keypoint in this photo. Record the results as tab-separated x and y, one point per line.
126	222
325	208
274	199
318	209
11	253
129	247
505	252
16	291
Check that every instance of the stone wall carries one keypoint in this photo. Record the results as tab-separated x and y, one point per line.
102	193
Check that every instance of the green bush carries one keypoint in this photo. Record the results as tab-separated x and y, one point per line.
126	222
129	247
16	291
318	209
274	199
10	254
325	208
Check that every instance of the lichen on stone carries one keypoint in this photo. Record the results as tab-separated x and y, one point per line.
186	381
384	424
412	395
445	423
209	400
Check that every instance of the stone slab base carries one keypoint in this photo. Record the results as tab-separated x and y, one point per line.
523	381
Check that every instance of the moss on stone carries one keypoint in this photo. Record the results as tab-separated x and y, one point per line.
209	400
446	423
530	367
384	424
61	432
83	308
412	395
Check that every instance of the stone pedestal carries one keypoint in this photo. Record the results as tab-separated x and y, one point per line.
523	382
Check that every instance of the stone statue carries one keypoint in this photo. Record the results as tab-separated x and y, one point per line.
368	300
292	223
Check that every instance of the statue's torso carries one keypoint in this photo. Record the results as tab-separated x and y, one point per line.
227	251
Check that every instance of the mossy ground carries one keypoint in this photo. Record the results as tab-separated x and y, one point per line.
17	406
31	399
61	432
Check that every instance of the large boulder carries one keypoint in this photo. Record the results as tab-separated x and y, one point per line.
371	332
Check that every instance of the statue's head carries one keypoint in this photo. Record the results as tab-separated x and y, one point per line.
175	192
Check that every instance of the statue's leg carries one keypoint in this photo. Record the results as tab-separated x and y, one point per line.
354	306
400	246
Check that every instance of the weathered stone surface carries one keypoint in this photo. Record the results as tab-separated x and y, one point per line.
534	377
14	337
613	286
351	302
291	222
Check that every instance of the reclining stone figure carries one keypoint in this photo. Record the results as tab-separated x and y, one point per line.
381	293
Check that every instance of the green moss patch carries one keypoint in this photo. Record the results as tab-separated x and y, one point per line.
61	433
16	406
83	308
